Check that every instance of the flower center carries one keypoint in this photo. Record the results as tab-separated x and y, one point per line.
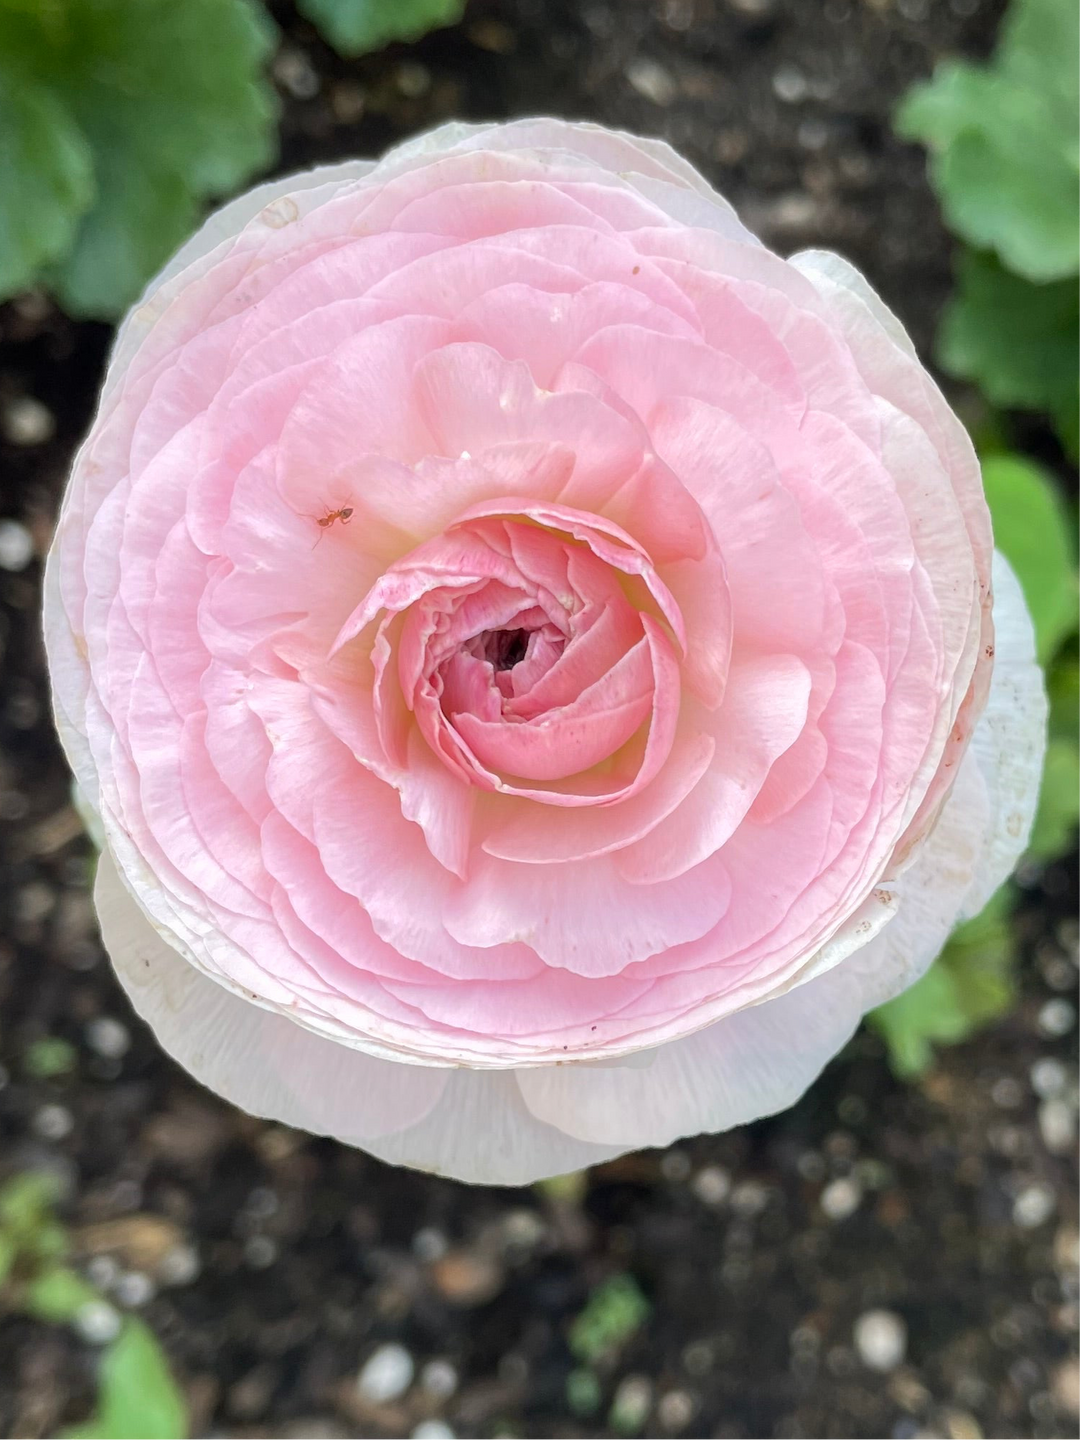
503	649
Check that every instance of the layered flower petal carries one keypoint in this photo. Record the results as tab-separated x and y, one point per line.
509	623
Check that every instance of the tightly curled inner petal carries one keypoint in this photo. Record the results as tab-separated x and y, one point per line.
522	655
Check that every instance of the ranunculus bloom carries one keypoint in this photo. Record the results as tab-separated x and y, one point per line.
531	651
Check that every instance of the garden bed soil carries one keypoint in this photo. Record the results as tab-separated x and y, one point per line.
275	1264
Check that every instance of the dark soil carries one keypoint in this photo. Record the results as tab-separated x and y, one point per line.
274	1264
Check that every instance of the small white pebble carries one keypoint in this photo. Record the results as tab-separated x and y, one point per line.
675	1410
1048	1078
651	81
260	1252
261	1203
179	1266
26	421
97	1322
1066	1383
698	1358
53	1122
1056	1018
34	901
712	1185
16	545
811	1166
675	1166
880	1339
439	1379
433	1430
1057	1125
841	1198
413	79
793	211
386	1374
631	1404
813	135
749	1198
790	85
108	1037
295	73
134	1289
523	1227
102	1271
429	1245
1033	1207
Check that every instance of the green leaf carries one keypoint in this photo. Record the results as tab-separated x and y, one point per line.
583	1393
138	1398
1063	688
1005	161
1033	531
970	984
1017	341
615	1311
48	180
49	1057
1059	801
26	1203
569	1189
8	1252
57	1294
143	217
171	105
355	27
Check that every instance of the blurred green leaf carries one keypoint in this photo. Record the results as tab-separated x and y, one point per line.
1063	687
970	984
1017	341
583	1393
57	1294
170	104
47	179
49	1057
1033	531
137	1396
26	1203
8	1253
355	27
1059	801
1005	160
569	1189
615	1311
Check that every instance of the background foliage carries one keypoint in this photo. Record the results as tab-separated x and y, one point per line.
1005	162
120	119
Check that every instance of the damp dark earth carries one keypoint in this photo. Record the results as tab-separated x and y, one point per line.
886	1259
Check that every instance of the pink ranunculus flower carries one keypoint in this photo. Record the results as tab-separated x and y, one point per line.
533	655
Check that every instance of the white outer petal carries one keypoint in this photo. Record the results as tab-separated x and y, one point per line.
258	1059
1009	742
832	273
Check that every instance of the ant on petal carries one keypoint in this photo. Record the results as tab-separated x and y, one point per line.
344	514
